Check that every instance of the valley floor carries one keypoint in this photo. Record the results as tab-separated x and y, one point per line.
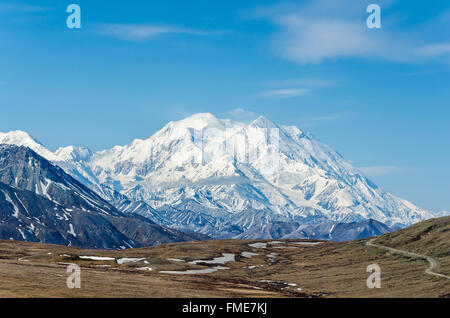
231	268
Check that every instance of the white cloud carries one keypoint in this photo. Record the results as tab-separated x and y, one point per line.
434	50
143	32
381	170
321	30
242	114
283	93
312	41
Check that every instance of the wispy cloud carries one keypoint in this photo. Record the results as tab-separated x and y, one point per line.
316	31
312	41
294	87
434	50
425	72
381	170
305	82
21	7
241	114
283	93
144	32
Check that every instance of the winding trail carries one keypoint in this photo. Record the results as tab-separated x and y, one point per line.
434	263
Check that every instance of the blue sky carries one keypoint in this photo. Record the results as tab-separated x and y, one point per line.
378	96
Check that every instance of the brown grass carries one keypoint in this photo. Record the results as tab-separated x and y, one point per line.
329	269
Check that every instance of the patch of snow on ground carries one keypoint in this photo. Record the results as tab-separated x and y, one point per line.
276	242
258	245
124	260
227	257
195	271
175	259
248	254
98	258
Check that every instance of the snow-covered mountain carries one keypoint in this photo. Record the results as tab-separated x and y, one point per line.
21	138
221	177
39	202
328	230
441	214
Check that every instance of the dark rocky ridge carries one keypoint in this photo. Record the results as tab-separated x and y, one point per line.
39	202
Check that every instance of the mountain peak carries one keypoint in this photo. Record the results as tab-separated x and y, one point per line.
204	116
21	138
73	153
246	174
263	122
199	121
16	136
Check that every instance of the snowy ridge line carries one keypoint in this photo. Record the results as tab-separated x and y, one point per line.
313	183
